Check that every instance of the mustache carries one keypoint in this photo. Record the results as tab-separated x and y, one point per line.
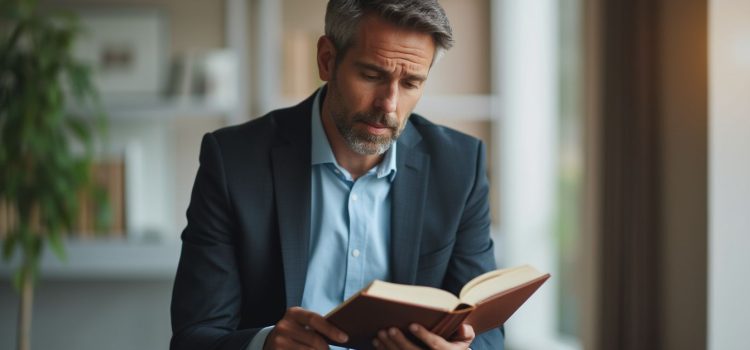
377	118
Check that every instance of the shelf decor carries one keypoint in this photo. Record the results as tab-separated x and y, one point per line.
45	152
126	48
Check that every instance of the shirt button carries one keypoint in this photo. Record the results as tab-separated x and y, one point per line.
354	197
355	253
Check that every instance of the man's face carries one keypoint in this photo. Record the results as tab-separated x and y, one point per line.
377	84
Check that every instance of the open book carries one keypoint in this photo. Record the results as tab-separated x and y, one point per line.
486	302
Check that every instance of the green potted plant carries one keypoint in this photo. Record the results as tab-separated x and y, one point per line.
45	151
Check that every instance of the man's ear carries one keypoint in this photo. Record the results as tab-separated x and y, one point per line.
326	58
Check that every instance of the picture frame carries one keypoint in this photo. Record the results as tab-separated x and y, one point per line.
126	48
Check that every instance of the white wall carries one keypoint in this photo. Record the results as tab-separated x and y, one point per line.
729	174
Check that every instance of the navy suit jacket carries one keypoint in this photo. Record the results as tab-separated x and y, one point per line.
245	248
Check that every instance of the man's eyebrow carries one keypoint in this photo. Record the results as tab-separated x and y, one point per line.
380	70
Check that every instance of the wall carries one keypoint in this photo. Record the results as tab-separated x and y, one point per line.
465	68
729	175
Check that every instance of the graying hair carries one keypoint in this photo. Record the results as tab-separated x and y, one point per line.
427	16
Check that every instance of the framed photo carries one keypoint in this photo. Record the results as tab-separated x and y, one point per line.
127	49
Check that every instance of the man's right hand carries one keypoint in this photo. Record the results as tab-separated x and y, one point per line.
302	329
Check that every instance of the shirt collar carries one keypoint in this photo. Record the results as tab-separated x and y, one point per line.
322	153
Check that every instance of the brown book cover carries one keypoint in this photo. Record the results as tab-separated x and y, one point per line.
486	302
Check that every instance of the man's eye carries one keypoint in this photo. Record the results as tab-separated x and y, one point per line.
370	77
410	85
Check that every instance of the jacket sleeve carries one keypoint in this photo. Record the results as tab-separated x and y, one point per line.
473	253
207	293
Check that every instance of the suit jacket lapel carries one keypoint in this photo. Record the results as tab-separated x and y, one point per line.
291	168
408	198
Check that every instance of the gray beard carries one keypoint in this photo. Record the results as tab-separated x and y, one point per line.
364	147
363	143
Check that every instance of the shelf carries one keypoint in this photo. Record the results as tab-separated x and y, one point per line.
448	107
459	107
108	259
157	109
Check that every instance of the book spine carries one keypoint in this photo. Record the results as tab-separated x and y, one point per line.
449	324
4	219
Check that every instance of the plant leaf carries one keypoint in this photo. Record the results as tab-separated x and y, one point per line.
79	128
8	246
42	167
57	245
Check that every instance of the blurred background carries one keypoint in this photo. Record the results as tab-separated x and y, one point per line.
616	150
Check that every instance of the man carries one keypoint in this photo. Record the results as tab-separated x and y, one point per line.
294	212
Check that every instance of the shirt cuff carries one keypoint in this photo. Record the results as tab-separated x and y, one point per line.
260	339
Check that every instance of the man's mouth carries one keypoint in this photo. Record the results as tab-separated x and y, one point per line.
377	128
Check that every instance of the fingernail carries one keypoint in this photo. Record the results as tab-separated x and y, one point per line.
392	331
343	337
375	343
381	334
413	327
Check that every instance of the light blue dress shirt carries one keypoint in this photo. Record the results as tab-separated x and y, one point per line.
350	226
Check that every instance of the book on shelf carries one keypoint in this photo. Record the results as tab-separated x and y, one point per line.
109	178
7	218
485	302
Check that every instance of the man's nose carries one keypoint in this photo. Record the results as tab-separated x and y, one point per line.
387	99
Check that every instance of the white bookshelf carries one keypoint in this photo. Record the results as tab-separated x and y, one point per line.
154	109
158	138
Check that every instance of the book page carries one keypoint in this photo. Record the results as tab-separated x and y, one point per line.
417	295
494	282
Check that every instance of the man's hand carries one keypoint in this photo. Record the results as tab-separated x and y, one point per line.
393	339
302	329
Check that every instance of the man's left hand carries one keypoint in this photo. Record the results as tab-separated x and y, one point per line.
393	339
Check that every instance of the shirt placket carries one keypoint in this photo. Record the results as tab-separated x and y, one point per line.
358	209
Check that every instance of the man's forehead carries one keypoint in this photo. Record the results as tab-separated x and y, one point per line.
412	74
387	44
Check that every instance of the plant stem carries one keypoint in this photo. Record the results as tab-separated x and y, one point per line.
24	312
